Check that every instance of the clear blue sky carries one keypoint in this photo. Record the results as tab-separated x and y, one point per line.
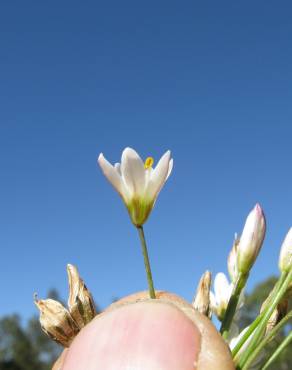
211	81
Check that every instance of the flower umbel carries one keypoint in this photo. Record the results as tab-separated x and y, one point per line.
137	183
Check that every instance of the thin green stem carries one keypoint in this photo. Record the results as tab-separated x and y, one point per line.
281	347
246	335
232	304
255	323
268	338
262	325
146	262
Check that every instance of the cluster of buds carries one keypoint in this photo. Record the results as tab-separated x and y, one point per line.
240	260
62	324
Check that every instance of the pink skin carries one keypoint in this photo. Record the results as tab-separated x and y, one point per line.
141	336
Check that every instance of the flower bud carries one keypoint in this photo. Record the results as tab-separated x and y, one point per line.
201	301
285	259
221	296
81	304
251	239
232	260
56	321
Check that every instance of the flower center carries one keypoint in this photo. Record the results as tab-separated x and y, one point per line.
148	163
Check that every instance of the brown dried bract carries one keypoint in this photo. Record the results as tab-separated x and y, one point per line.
201	301
81	304
56	321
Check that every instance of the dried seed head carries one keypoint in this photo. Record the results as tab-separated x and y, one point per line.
201	301
56	321
81	304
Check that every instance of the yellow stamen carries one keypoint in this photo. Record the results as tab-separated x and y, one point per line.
148	163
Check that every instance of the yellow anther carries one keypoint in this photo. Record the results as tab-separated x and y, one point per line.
148	163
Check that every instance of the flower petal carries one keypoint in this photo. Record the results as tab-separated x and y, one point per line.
170	167
213	302
112	174
222	288
118	168
133	172
159	176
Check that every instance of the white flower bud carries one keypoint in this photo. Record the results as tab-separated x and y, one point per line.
251	239
232	260
220	298
285	259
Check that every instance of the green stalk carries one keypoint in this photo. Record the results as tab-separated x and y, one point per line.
232	304
262	325
246	335
282	346
146	262
268	338
255	323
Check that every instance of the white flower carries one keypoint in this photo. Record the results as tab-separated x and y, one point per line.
137	183
251	239
285	259
220	298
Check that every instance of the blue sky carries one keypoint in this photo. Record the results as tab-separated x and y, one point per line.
212	82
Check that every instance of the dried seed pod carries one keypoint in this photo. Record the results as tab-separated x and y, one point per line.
56	321
201	301
81	304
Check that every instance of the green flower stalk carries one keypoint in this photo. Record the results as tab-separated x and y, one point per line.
138	184
246	250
